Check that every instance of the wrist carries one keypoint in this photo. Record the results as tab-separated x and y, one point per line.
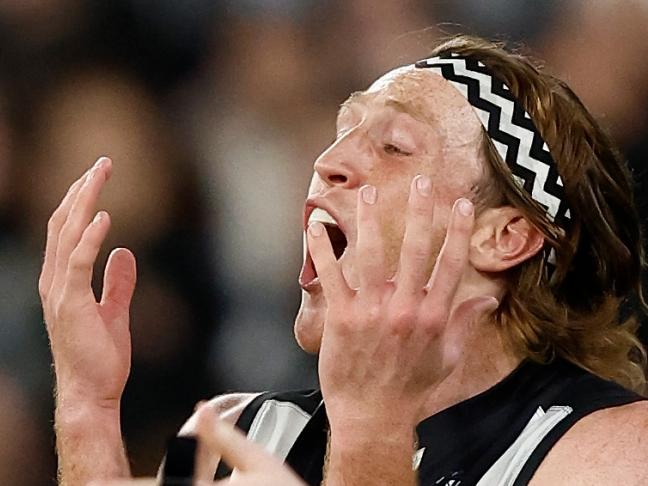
352	432
73	412
360	451
359	419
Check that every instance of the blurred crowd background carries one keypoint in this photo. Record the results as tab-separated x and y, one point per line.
213	112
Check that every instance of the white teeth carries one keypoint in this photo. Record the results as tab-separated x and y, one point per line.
321	216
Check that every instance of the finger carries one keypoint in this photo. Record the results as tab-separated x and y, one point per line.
54	226
453	256
236	450
415	259
119	282
79	216
206	462
328	269
82	259
369	247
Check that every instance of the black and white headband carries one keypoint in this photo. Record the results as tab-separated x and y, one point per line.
511	130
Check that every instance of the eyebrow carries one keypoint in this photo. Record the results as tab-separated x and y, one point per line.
399	104
357	97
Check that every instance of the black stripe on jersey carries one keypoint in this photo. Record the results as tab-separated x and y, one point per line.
307	401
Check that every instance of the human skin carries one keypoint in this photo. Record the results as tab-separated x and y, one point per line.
391	335
443	146
219	438
390	340
398	179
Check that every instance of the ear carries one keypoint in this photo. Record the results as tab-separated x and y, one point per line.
502	239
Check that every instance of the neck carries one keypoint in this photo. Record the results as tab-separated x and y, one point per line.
486	361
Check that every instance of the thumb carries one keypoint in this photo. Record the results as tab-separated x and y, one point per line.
119	279
222	438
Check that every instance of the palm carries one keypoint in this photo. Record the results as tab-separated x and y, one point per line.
102	343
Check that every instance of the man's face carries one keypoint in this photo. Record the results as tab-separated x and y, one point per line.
409	122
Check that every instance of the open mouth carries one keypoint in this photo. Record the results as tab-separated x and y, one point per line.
336	236
338	240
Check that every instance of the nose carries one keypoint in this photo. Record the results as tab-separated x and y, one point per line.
338	165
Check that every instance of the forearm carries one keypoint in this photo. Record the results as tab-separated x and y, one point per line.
374	454
89	443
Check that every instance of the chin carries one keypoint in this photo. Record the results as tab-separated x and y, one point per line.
309	325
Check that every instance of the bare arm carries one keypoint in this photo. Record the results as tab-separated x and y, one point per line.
89	444
369	452
607	447
90	340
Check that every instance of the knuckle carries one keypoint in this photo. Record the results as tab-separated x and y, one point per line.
72	226
421	210
404	317
453	262
373	313
341	321
417	251
55	220
403	321
461	229
78	260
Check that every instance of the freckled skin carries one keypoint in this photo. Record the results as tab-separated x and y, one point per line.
443	135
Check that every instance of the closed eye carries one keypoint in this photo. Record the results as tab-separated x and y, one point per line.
392	149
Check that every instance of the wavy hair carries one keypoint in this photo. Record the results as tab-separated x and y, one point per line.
573	312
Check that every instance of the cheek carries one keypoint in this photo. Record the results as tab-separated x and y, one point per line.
393	231
392	225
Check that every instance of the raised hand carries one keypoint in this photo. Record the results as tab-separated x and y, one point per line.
90	340
388	344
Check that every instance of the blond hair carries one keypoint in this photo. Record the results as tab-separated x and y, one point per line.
574	313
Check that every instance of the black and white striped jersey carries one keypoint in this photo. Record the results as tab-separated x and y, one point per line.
496	438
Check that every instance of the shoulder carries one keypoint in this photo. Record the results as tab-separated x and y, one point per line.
609	446
228	407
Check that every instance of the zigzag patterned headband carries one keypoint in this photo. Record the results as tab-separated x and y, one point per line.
510	128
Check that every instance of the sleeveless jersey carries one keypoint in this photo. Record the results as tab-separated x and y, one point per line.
496	438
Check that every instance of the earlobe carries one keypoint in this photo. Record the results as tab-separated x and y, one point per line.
503	239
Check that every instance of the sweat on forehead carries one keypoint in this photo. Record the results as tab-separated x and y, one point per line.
431	98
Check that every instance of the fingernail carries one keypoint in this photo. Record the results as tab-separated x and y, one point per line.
100	216
423	185
465	207
369	194
316	229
